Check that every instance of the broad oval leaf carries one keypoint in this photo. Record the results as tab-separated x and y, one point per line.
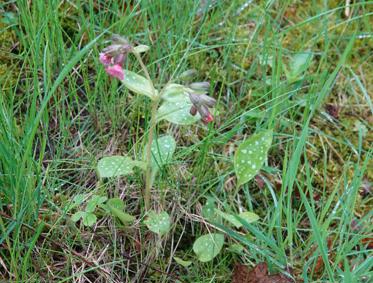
138	84
208	246
114	166
158	223
208	210
116	203
248	216
162	150
250	156
141	48
176	106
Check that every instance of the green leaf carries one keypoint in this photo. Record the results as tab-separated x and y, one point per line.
176	106
208	246
78	199
138	84
230	218
248	216
94	202
251	155
184	263
77	215
208	210
116	203
158	223
114	166
299	63
140	164
89	219
141	48
236	248
162	150
125	218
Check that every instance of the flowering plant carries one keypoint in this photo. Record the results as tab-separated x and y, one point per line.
178	104
175	103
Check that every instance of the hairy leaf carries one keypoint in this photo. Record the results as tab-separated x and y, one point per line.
250	156
114	166
208	246
158	223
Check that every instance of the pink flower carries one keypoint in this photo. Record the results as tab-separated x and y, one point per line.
115	71
105	59
208	118
114	56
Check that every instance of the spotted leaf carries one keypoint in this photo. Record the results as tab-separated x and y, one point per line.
162	150
114	166
208	246
251	155
176	106
158	223
138	84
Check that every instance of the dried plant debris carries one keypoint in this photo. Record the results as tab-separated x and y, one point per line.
259	274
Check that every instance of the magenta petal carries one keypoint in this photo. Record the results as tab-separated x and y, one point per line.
115	71
105	59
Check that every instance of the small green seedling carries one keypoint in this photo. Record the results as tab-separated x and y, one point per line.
114	207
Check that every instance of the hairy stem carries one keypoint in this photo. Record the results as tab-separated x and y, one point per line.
153	123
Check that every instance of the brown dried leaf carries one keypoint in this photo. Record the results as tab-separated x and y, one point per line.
259	181
333	110
259	274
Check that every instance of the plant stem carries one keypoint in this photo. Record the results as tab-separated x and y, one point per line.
153	123
148	176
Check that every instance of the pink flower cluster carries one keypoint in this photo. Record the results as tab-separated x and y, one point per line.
113	65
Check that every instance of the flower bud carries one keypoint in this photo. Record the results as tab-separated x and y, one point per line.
188	74
200	86
207	100
201	104
193	111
